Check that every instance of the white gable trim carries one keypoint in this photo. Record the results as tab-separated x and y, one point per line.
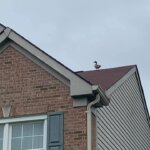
36	61
122	80
78	86
142	96
1	28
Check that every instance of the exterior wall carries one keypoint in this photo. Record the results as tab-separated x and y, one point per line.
31	90
123	124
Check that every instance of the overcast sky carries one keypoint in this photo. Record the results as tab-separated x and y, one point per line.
77	32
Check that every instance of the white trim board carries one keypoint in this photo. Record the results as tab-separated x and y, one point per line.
122	80
78	86
1	27
35	60
22	119
118	83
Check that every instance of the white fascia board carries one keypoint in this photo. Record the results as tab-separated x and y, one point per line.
118	83
1	28
2	37
105	99
7	31
78	86
142	95
23	118
4	34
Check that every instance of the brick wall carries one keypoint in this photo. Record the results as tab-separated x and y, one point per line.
32	90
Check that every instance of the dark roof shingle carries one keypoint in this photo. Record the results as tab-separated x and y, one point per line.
105	78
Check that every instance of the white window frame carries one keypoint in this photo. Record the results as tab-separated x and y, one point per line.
7	128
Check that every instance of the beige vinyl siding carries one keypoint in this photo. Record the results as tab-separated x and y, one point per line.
123	124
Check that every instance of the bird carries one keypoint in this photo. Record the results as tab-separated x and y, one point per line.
97	66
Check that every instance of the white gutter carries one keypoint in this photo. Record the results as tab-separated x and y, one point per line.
105	97
89	122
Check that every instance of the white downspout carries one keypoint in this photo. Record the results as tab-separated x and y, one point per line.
89	122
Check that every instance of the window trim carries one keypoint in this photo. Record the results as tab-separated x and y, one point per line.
7	128
22	119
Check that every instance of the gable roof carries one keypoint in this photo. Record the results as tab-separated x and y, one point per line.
105	78
7	33
110	79
78	85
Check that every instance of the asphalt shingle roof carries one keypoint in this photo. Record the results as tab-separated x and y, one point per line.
105	78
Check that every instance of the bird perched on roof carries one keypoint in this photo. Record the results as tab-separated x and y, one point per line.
97	66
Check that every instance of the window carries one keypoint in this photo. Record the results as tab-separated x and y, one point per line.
33	133
27	136
27	133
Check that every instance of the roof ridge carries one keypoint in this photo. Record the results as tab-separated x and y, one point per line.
107	68
106	77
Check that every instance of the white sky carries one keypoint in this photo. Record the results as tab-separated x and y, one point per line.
77	32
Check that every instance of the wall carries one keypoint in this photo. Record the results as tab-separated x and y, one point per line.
32	90
123	125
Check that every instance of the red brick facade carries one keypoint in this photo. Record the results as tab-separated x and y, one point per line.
32	90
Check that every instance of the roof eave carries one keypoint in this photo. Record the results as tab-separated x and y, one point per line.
142	95
111	89
2	28
105	98
78	86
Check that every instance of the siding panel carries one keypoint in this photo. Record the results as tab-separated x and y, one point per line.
123	125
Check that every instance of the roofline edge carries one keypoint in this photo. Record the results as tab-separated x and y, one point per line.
119	82
78	86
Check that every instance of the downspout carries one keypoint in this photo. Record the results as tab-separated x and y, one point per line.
89	122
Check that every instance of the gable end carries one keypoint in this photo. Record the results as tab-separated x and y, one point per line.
47	68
